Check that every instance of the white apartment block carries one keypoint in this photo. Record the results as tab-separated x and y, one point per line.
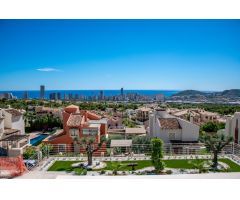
232	127
172	129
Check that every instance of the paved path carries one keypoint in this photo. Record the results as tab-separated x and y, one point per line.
180	176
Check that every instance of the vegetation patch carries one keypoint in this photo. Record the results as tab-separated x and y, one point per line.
123	166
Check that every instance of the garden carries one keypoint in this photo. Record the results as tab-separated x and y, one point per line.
157	164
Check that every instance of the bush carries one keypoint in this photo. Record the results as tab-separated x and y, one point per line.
80	171
169	172
102	172
157	154
29	153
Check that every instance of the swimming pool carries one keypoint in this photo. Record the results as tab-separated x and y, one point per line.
36	141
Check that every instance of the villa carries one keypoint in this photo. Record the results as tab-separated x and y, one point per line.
78	124
172	129
197	116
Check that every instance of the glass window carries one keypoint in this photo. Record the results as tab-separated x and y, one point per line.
90	131
74	132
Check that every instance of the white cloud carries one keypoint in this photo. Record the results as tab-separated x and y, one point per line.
46	69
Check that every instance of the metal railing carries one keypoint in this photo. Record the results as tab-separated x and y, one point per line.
138	150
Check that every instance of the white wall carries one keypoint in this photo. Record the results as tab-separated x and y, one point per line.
7	120
15	122
18	123
231	124
1	128
190	131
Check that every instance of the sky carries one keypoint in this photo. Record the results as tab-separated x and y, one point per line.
110	54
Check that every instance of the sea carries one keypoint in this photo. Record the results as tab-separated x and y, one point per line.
35	94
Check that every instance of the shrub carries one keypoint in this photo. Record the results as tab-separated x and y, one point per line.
29	152
157	154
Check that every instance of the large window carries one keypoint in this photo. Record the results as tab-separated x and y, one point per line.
74	132
90	131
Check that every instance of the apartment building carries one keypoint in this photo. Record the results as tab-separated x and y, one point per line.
232	127
78	124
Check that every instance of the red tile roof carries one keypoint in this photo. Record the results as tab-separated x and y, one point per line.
169	123
74	120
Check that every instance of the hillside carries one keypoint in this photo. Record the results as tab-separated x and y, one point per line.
189	93
231	93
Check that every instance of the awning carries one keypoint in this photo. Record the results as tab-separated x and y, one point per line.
121	143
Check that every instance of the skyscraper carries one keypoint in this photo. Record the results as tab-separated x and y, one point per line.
25	95
122	92
101	95
42	92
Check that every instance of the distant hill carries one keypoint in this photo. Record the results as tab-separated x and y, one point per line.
231	93
189	93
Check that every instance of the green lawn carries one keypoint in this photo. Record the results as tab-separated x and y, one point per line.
122	166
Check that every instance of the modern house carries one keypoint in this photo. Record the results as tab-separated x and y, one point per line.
232	127
78	124
172	129
12	132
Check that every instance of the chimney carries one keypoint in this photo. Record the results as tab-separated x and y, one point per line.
191	119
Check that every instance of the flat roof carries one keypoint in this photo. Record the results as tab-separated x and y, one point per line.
94	125
8	131
100	121
138	130
13	138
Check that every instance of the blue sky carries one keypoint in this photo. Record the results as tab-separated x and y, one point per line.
110	54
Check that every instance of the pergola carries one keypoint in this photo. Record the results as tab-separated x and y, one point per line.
14	141
124	146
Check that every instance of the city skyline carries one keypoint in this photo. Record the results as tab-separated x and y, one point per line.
111	54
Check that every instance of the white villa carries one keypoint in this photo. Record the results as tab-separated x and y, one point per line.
12	132
232	127
172	129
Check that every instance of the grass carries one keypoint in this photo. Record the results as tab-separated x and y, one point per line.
122	166
62	166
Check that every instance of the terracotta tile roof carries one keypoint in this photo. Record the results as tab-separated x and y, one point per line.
169	123
74	120
14	112
72	106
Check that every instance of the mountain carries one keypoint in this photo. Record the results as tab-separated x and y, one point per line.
231	93
190	93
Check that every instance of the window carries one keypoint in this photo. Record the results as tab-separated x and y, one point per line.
74	132
90	131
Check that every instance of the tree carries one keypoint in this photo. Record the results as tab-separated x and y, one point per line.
29	153
157	154
90	146
210	127
215	144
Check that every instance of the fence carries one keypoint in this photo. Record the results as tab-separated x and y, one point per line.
138	150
